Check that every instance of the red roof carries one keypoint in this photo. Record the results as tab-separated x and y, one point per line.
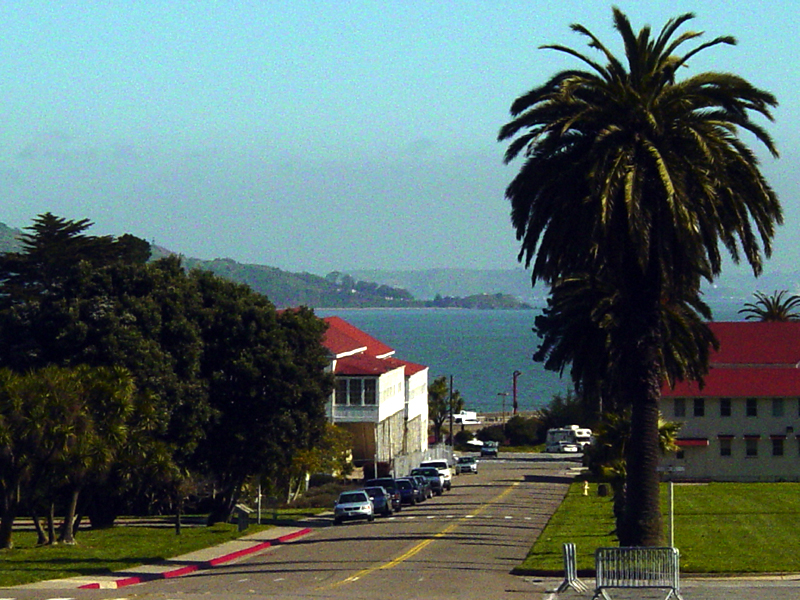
342	338
359	353
363	364
757	343
741	382
754	359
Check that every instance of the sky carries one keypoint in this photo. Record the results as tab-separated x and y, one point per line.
322	135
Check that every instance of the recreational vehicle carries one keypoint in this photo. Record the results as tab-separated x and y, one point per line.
571	438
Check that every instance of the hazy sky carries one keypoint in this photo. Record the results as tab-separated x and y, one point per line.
320	136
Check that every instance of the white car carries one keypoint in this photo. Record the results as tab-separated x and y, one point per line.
353	505
467	464
444	470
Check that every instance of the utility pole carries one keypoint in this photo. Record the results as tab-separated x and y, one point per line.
452	441
514	376
503	395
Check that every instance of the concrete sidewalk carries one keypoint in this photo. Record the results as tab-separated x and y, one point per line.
180	565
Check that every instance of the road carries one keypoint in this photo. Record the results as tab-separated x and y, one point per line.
460	545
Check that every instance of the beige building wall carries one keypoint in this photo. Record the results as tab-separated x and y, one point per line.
740	447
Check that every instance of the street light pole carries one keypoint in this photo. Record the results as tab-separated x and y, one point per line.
515	375
503	394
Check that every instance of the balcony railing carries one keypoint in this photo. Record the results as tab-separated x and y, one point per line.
355	414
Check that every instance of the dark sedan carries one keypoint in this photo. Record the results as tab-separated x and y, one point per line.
388	483
381	500
408	492
433	477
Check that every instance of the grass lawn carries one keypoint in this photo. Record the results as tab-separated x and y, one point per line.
106	550
720	528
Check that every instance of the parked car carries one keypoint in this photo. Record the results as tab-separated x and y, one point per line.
408	493
387	483
423	482
381	501
353	505
467	464
418	488
433	476
443	468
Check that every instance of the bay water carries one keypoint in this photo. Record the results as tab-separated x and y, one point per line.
479	349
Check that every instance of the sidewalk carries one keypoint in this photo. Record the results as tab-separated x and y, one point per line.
180	565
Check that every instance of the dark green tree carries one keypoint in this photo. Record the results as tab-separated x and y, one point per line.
772	308
441	404
267	385
634	178
71	299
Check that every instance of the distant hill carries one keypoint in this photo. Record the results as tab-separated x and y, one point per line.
285	288
9	239
462	288
427	284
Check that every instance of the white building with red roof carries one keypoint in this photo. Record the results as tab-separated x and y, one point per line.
744	423
380	399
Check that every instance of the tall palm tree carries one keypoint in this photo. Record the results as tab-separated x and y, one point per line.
772	308
636	178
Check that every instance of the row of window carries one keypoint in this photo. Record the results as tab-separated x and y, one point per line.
750	447
725	407
356	392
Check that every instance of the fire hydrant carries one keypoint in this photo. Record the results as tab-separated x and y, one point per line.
585	488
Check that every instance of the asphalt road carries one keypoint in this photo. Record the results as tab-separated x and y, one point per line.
460	545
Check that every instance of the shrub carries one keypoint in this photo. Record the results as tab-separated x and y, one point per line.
492	433
522	431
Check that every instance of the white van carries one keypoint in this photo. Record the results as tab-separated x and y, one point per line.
571	438
444	470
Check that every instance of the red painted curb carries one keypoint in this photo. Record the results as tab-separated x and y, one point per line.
205	565
291	536
239	553
179	572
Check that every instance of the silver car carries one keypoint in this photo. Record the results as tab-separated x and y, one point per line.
353	505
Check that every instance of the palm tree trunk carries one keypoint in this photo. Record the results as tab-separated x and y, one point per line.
41	536
642	522
51	524
67	527
10	508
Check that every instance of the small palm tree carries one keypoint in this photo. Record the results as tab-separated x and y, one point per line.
772	308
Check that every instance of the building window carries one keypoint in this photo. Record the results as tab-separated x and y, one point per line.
341	392
370	391
355	392
751	446
777	446
699	407
777	407
752	407
725	447
679	407
724	407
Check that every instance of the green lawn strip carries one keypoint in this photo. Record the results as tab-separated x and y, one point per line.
720	528
106	551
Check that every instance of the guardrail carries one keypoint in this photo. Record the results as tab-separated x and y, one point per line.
637	568
571	571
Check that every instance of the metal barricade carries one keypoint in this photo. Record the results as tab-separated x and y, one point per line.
637	567
571	572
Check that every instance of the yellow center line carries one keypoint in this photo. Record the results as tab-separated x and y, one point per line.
422	545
